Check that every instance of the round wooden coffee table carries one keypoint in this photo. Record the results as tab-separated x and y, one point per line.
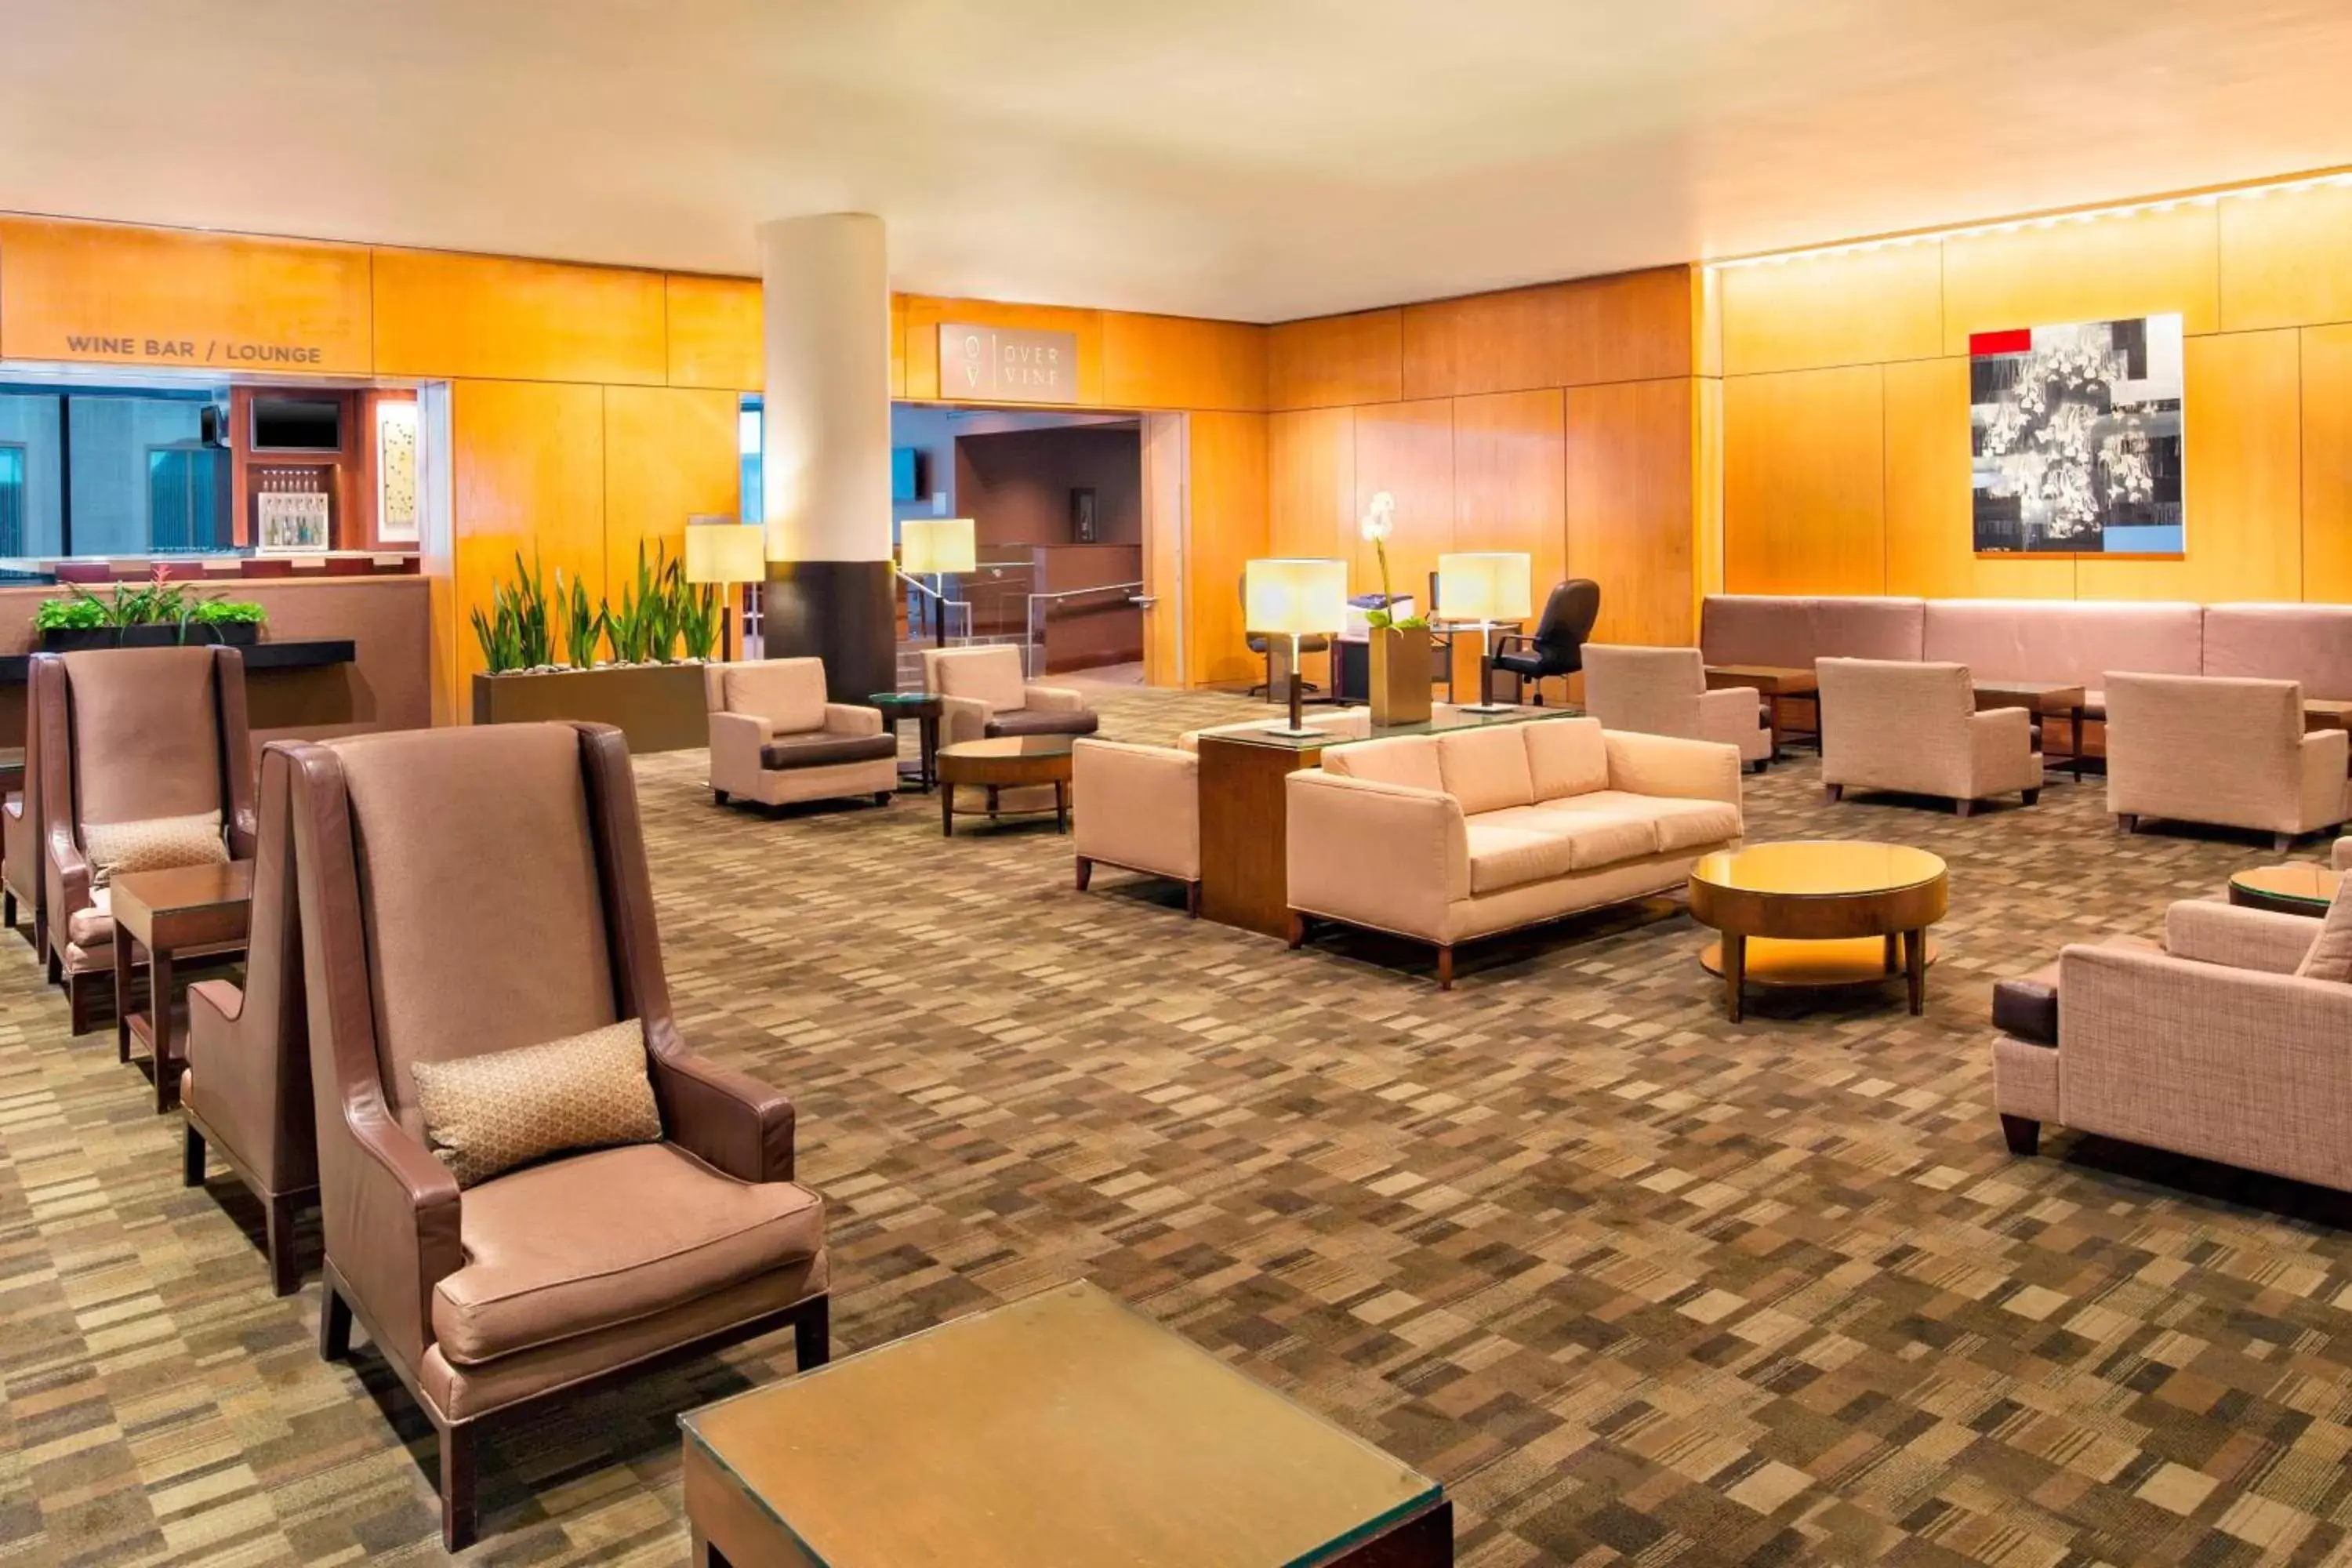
1821	913
2300	889
1006	763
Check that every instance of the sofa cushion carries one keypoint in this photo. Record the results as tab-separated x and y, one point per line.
1792	631
488	1113
157	843
1679	824
818	749
2076	640
2311	643
1042	722
1565	756
1509	855
1410	760
1485	770
1594	839
585	1243
788	693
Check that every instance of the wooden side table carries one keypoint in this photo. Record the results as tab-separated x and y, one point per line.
1245	831
1008	761
187	911
1818	912
2043	699
924	707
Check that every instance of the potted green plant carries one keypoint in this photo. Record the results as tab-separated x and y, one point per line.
235	622
65	625
1399	652
657	704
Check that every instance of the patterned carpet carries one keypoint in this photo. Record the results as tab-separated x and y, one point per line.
1638	1285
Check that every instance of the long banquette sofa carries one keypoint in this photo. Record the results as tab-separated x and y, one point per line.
2073	641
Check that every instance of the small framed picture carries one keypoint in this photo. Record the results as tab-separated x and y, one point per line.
1082	515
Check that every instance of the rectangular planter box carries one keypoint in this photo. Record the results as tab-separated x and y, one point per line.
235	634
659	706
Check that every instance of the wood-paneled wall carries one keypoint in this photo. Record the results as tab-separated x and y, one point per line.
1559	420
1845	400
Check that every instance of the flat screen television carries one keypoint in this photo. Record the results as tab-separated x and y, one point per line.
297	424
906	473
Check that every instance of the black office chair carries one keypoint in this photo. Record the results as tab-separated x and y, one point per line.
1557	645
1263	645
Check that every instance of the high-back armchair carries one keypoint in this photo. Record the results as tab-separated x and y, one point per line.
245	1087
145	764
1557	645
21	882
2224	751
1663	691
984	693
774	738
472	891
1892	724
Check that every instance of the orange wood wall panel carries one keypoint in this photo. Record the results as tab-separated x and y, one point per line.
924	314
1509	489
1803	487
1174	362
484	317
1335	361
898	347
527	476
1930	523
1164	462
232	299
2328	463
2242	473
715	332
1862	307
1634	326
669	453
1706	489
1311	483
1227	527
2094	269
1506	341
1406	449
1629	509
2286	258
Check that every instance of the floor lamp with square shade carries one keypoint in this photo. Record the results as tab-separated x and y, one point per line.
1486	586
1295	599
725	554
938	546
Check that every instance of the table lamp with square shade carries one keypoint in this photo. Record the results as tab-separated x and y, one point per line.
938	546
1294	598
726	554
1486	586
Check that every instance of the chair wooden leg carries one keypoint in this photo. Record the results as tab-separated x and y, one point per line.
1085	873
1192	900
285	1274
1964	808
2126	823
2023	1134
1297	932
79	1002
2033	797
1834	792
56	966
812	1333
2281	842
40	932
720	795
8	907
192	1159
334	1322
1446	966
882	796
457	1487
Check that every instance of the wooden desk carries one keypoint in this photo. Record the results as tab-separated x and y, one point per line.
1244	827
190	910
2043	699
1772	682
1065	1428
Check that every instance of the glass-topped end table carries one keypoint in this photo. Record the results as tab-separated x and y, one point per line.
1007	763
2300	889
1062	1428
923	707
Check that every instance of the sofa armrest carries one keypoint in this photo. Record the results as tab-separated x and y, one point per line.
2323	758
2341	856
2001	750
1138	806
963	718
1055	699
1672	768
67	873
1732	716
728	1119
1376	854
850	719
401	1206
735	742
2206	930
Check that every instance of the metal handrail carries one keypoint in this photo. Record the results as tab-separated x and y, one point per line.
920	586
1029	643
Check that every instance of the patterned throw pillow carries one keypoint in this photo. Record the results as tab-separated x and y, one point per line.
158	843
489	1113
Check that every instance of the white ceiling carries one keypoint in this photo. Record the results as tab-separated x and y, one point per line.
1253	159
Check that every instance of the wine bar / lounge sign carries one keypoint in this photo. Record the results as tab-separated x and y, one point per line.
1004	364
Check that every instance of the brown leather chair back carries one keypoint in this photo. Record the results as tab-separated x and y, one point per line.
272	1024
22	848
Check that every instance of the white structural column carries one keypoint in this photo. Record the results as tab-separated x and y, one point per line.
825	448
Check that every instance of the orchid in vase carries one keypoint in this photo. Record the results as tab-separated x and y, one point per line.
1380	521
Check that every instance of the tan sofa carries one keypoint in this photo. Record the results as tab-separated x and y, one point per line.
1663	691
1915	729
2221	751
775	740
2209	1046
1446	839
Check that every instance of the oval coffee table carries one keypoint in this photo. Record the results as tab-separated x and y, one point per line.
1818	913
2299	888
1006	763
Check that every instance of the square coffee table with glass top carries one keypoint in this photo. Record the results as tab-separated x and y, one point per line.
1062	1428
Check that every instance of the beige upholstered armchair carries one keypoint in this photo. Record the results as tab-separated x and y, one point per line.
2224	751
145	764
1663	691
775	740
2341	856
647	1208
2210	1046
983	694
246	1088
1913	728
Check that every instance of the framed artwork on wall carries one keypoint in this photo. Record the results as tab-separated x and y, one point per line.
2075	438
395	473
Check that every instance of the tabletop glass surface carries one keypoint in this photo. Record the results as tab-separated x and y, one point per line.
2302	882
901	698
1818	868
1013	746
1064	1427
